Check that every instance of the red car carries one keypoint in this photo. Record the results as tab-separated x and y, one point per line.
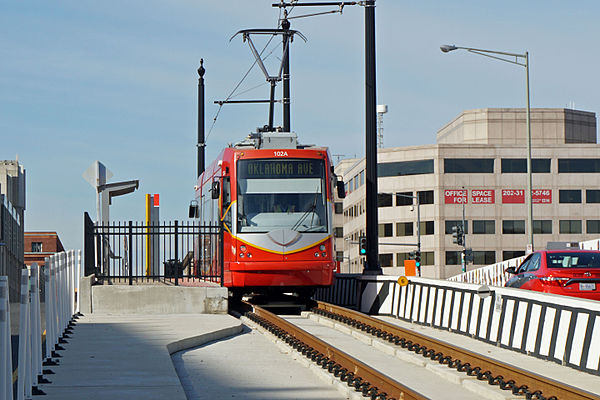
567	272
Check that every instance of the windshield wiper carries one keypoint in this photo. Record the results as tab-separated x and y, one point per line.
311	208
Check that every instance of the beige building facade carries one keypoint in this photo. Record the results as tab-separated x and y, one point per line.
479	162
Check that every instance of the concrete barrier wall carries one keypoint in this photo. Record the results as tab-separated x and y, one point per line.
551	327
146	299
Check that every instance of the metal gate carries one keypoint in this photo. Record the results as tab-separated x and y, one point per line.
174	252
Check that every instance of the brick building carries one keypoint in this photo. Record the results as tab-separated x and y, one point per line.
39	245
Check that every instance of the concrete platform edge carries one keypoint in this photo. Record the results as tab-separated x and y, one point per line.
195	341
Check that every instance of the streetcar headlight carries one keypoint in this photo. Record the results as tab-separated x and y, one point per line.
324	254
241	255
242	248
249	255
317	254
322	247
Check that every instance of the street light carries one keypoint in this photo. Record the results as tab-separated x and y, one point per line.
488	53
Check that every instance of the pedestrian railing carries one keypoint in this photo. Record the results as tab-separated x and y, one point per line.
6	386
176	252
493	275
61	280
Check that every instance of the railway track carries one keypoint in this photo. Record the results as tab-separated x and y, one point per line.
373	384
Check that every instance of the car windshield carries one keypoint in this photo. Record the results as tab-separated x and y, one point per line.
573	260
281	194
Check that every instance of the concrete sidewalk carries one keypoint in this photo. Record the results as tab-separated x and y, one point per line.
128	356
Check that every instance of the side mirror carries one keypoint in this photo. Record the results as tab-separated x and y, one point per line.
215	190
511	270
193	211
341	190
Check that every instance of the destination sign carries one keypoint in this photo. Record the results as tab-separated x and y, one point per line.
280	168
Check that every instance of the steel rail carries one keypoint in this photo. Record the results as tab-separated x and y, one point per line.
359	371
540	387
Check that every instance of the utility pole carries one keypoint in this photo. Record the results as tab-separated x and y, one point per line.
372	264
201	145
285	24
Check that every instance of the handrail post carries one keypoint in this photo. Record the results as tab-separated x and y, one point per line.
176	264
130	254
6	384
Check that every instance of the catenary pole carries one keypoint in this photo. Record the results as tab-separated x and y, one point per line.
372	263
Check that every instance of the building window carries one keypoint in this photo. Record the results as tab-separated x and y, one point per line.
36	247
542	226
384	200
468	165
484	257
386	260
513	227
403	199
427	228
339	256
425	197
338	232
451	223
569	196
385	230
404	228
484	227
400	257
339	208
427	258
402	168
592	196
519	165
362	177
569	226
453	258
510	254
592	226
578	165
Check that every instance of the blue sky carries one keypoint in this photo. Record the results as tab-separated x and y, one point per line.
116	82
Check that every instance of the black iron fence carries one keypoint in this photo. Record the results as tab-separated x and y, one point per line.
343	292
174	252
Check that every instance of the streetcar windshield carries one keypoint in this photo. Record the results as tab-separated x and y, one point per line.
281	194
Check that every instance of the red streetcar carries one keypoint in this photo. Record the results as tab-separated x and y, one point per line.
275	201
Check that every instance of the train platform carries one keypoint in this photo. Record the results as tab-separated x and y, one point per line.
118	356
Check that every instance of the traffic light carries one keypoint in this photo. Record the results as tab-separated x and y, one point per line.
418	259
468	255
457	235
362	246
412	255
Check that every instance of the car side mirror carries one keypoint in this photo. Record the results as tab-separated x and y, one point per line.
215	190
511	270
341	190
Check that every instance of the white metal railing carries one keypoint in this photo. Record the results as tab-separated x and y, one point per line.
5	348
494	274
61	273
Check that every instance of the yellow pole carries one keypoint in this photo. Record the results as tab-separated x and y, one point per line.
148	210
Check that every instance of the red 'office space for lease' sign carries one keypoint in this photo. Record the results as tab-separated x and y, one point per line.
541	196
513	196
455	196
517	196
485	196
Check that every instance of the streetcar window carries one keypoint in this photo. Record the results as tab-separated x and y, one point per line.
281	194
